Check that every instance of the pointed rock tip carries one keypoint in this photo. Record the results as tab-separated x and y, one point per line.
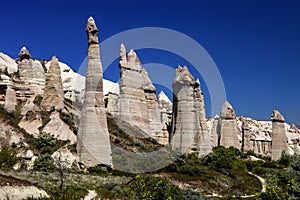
122	48
227	111
277	116
163	96
91	18
131	52
54	58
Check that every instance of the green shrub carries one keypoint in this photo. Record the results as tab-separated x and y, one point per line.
46	143
8	158
38	100
44	163
149	188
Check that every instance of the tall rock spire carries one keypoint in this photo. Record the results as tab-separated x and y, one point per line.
189	130
132	100
53	92
203	139
279	138
228	132
93	144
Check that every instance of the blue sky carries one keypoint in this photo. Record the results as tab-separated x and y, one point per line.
255	44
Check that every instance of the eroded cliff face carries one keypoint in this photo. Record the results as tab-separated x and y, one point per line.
138	104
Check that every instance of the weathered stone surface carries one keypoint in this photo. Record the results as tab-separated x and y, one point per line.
7	64
10	100
165	108
59	129
152	105
31	72
93	144
53	97
276	116
188	130
227	111
246	139
8	133
64	158
228	133
214	129
132	99
279	138
32	119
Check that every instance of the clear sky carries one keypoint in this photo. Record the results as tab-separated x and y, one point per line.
255	44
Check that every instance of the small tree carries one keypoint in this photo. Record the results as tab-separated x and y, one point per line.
8	158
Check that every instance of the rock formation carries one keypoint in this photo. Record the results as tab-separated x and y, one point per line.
246	142
165	108
279	138
204	139
53	97
10	100
132	100
214	129
93	144
31	74
188	114
228	133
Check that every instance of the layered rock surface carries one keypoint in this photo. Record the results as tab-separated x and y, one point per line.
279	139
229	134
93	144
137	101
188	114
53	97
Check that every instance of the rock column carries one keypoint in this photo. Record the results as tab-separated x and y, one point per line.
228	135
279	138
93	143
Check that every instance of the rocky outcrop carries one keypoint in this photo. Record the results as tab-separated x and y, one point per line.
186	131
279	138
93	144
31	75
59	129
203	137
7	64
246	139
165	108
53	97
228	132
135	104
10	100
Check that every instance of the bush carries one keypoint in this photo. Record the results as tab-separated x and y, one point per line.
46	143
8	158
225	160
152	188
44	163
38	100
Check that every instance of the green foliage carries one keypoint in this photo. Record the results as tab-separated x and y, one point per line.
18	107
68	119
8	158
67	193
46	143
44	163
225	160
38	100
98	170
150	188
